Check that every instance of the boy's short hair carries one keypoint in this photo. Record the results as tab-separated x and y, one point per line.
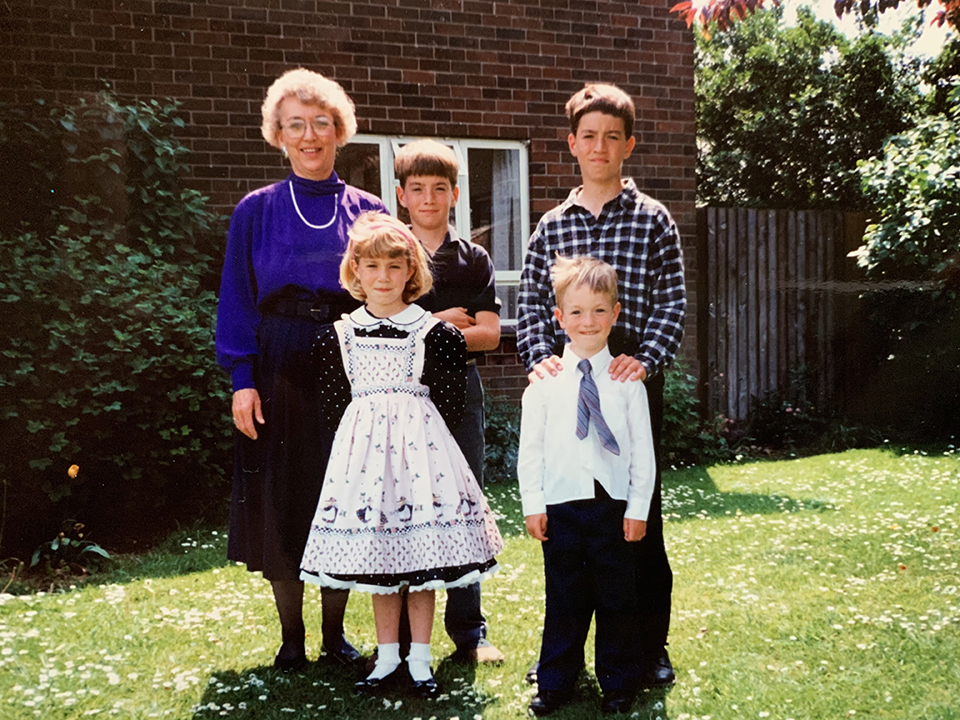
605	98
587	270
376	235
423	158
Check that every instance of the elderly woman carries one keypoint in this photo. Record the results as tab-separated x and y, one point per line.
280	281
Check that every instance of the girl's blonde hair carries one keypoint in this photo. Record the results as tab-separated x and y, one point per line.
311	89
378	235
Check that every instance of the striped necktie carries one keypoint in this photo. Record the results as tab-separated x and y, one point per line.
588	406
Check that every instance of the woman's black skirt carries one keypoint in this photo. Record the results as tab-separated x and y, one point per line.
277	478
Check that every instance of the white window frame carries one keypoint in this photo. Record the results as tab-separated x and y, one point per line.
390	145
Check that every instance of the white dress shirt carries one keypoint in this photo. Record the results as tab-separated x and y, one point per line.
555	466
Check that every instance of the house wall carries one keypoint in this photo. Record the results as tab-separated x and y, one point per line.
456	68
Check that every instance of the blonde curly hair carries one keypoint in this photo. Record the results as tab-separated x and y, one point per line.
310	88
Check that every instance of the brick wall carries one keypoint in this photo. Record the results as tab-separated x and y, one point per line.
457	68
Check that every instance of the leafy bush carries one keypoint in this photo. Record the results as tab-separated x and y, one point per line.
913	250
106	358
688	439
502	437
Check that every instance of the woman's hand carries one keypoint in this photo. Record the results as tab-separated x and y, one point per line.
246	410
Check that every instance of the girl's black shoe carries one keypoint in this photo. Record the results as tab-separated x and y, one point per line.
427	689
375	686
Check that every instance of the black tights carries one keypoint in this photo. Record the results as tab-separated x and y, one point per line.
288	595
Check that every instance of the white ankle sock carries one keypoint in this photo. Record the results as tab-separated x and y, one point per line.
388	660
418	661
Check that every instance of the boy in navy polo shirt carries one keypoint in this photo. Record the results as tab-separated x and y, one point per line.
463	294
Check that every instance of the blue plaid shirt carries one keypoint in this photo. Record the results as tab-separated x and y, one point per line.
636	235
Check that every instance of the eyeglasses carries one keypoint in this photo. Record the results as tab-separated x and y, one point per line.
296	128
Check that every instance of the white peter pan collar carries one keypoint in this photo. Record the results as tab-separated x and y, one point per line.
412	314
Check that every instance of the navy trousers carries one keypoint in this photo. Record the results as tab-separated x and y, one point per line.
654	576
463	620
589	570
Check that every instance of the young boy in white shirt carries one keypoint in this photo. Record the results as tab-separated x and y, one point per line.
586	470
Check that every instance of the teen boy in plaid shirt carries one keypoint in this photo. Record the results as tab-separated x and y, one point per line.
610	219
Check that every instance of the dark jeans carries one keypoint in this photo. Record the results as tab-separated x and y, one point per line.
654	576
588	568
463	620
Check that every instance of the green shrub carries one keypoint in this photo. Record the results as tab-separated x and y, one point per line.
502	438
688	439
106	360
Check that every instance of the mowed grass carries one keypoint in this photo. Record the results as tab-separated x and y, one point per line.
818	588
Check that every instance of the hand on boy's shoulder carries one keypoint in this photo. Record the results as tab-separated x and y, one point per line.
545	368
626	367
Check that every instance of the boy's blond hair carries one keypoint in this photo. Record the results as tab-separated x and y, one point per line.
426	158
377	235
605	98
579	270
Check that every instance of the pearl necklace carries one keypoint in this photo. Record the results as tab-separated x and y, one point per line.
307	222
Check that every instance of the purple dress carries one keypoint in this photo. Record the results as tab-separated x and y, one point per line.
282	259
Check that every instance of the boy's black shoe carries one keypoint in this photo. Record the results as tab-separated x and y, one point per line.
531	676
661	674
616	703
547	701
341	650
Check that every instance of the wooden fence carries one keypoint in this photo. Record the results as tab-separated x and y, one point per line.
774	295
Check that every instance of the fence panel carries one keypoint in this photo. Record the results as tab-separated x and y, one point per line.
769	280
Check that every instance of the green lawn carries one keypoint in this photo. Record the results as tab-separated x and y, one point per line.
817	588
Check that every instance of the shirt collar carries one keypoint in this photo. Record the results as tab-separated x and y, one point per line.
628	197
362	317
598	363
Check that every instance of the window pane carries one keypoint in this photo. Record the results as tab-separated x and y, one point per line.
509	295
358	164
495	205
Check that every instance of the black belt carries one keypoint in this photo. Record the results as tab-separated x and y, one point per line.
316	311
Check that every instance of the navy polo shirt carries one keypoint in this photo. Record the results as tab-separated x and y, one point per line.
463	276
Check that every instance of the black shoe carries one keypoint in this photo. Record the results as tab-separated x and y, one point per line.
531	676
291	658
661	674
427	689
616	703
342	651
371	686
547	701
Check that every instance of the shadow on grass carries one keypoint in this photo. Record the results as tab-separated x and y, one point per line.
326	689
692	493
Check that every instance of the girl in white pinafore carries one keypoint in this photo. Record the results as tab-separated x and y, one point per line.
400	507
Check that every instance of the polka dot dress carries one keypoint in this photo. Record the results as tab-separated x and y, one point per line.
399	504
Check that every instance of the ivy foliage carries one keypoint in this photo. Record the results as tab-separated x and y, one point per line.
785	113
106	358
